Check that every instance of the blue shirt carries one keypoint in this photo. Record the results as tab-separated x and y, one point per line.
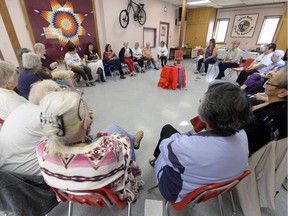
190	162
25	80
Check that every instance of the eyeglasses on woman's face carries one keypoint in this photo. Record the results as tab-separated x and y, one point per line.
271	84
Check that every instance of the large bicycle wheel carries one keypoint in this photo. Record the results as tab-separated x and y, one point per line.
142	16
124	18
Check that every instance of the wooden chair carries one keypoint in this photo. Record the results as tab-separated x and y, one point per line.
102	197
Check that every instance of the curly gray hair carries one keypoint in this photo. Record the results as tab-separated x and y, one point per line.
225	108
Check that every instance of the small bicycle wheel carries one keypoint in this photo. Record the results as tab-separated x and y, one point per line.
124	18
142	16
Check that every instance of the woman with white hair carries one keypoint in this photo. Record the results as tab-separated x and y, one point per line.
147	55
255	81
9	99
70	158
28	75
51	65
22	131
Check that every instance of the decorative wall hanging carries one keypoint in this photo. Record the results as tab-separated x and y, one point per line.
164	32
56	23
244	25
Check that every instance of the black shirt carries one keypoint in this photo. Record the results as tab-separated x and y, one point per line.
270	124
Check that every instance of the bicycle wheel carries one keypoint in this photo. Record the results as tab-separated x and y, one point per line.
141	16
124	18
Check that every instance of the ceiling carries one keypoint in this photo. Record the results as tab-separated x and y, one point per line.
225	3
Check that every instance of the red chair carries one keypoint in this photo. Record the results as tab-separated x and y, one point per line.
1	121
210	191
241	66
100	197
178	56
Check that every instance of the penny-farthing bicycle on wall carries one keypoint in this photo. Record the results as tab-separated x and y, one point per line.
139	14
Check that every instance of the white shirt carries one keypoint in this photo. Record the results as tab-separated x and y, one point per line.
73	59
137	53
9	101
265	60
19	136
162	51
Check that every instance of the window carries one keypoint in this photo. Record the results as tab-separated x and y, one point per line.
268	29
221	30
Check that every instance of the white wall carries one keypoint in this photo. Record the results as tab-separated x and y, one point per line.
262	11
115	34
110	31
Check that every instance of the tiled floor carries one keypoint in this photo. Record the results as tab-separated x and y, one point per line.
137	103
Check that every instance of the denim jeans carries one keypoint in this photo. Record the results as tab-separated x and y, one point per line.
119	130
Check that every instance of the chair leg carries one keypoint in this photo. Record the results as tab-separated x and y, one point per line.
167	207
233	202
220	205
129	209
152	188
70	210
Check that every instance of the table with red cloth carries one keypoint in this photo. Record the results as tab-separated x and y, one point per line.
172	76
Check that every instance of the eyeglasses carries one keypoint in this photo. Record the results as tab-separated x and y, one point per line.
268	83
81	101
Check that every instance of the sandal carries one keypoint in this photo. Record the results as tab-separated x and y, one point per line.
152	162
138	137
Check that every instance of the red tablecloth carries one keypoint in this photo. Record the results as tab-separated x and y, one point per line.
169	77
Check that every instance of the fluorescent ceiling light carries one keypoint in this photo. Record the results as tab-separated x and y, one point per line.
199	2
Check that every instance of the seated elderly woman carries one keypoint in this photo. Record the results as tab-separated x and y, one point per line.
126	57
22	131
187	162
70	158
51	65
28	75
271	116
9	99
255	81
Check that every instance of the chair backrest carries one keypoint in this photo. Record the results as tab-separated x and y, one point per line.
248	62
207	192
100	197
179	54
240	61
199	52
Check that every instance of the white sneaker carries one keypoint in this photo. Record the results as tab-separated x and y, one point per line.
196	72
133	74
203	74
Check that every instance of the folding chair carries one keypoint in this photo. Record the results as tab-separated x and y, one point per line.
100	197
108	69
213	65
179	56
210	191
241	66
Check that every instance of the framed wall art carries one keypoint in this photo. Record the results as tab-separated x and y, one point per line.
57	23
244	25
164	32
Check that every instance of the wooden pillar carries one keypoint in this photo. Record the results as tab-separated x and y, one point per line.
182	23
9	27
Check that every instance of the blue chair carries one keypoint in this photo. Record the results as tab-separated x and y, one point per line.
108	69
